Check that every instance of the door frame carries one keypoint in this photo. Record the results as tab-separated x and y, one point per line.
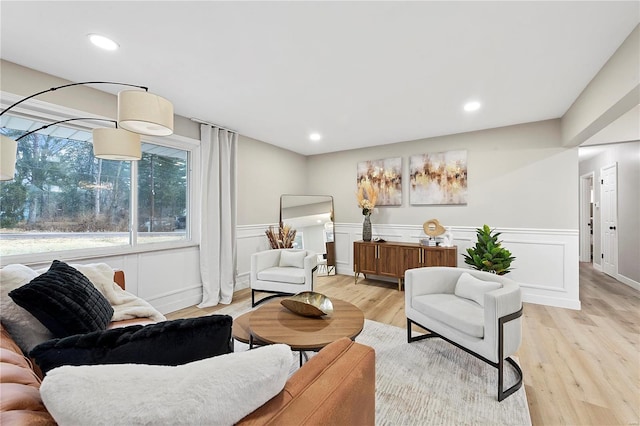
611	270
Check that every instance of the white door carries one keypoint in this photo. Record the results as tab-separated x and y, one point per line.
609	219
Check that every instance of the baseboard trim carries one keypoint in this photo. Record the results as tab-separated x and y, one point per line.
242	281
557	302
628	281
175	304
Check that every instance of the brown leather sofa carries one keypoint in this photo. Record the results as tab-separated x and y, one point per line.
336	386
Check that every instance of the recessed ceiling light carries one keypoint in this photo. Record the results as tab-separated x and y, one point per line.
103	42
315	136
472	106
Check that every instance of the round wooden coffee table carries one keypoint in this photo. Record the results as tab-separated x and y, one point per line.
273	323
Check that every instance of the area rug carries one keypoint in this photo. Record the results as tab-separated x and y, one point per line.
429	382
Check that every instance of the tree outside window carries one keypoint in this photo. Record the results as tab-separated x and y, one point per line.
63	198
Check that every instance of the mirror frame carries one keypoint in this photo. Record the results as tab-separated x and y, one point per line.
331	218
315	199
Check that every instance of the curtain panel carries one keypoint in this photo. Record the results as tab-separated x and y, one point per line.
218	219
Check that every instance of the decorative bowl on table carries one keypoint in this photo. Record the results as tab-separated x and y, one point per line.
308	304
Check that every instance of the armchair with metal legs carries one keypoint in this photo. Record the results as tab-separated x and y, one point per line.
479	312
282	272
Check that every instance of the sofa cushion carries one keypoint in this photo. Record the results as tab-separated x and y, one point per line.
283	275
167	343
292	259
25	329
216	391
473	288
456	312
65	301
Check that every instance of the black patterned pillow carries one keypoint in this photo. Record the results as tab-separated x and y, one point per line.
166	343
64	301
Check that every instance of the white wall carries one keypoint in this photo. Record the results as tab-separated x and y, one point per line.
516	175
613	92
24	81
521	181
168	279
264	173
627	157
546	266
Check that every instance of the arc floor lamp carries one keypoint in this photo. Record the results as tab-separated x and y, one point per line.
139	112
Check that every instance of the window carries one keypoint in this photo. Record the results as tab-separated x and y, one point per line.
63	198
162	194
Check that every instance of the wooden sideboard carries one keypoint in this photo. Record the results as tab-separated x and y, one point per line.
392	259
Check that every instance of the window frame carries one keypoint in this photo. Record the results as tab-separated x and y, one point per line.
39	110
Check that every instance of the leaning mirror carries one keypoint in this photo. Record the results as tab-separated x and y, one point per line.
312	218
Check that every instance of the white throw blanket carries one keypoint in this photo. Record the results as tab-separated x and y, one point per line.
28	332
216	391
125	305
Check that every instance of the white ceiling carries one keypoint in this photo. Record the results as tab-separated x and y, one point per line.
359	73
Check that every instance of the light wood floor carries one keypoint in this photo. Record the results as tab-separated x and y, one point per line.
580	367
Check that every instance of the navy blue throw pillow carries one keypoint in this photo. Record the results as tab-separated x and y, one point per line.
173	342
64	301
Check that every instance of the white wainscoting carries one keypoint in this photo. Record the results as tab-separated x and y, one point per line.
168	279
249	239
546	264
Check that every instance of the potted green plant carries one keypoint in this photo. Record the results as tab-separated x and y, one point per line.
488	253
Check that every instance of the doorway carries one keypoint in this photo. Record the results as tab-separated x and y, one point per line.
586	217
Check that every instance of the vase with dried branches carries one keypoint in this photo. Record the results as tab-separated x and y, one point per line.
281	237
367	195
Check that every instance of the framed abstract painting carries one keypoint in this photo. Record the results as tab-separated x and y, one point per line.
385	177
438	178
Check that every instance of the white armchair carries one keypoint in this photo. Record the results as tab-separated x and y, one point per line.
476	311
282	271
